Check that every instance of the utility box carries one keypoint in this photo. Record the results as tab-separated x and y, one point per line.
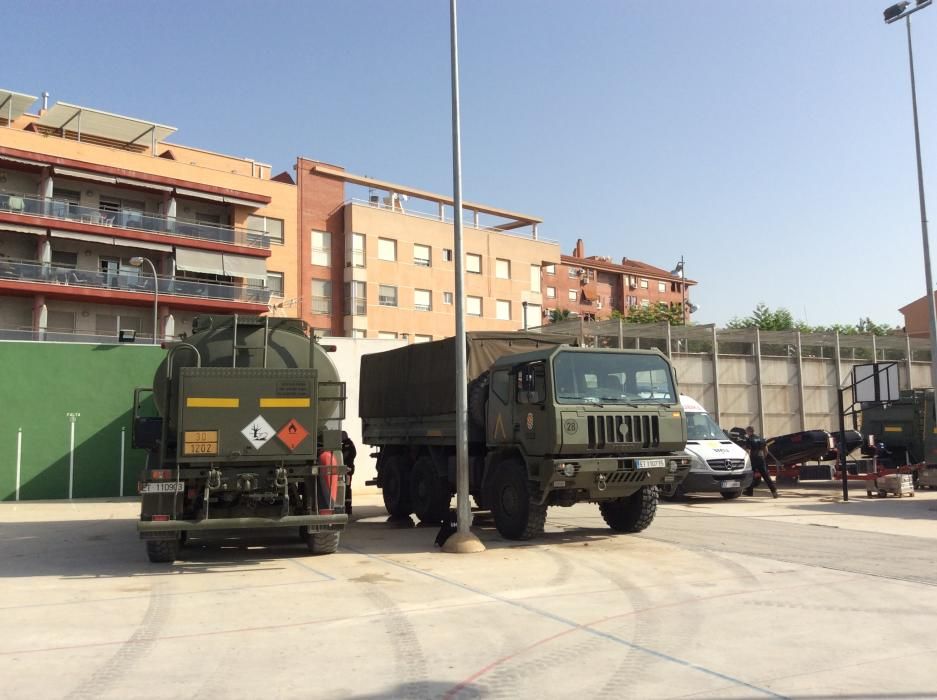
895	484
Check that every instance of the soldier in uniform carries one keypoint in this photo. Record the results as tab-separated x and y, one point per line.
757	452
349	452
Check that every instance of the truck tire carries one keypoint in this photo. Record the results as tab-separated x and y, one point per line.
478	399
633	513
395	487
516	516
429	492
162	551
325	542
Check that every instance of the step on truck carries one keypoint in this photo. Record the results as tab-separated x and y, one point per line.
549	424
242	432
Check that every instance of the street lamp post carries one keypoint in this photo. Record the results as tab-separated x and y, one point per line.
893	14
138	261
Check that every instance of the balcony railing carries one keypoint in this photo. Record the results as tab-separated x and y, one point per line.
131	219
62	335
34	271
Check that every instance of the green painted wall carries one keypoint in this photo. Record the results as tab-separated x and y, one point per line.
40	384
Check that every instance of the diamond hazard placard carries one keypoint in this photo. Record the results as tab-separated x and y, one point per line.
292	434
258	432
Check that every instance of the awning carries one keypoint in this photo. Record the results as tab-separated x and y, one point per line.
242	202
82	175
199	261
14	104
22	228
22	161
109	240
94	122
195	194
143	185
245	266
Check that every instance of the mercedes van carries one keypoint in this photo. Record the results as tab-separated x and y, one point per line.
718	464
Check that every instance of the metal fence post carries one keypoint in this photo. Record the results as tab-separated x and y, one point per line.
761	389
800	382
718	415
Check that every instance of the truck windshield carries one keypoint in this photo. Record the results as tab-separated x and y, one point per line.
701	426
603	377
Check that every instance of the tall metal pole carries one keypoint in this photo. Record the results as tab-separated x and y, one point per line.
683	284
463	540
155	301
932	310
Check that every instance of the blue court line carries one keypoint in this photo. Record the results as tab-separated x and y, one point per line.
570	623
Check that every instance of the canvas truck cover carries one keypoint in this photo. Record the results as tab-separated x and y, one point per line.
419	379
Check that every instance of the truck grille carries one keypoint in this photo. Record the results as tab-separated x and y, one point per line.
724	465
623	430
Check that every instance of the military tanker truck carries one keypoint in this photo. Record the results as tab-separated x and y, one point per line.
906	428
246	435
549	425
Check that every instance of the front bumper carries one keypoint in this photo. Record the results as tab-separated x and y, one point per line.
602	477
714	482
315	523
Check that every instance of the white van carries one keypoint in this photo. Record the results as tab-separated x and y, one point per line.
718	464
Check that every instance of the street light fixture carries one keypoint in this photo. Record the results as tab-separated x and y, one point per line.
893	14
680	271
137	261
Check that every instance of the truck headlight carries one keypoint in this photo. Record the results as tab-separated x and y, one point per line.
568	469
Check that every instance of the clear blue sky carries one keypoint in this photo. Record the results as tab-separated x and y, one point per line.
768	141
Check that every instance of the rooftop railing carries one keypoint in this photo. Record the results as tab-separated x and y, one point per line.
48	273
132	219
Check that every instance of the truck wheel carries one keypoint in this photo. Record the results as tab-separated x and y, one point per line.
323	542
162	551
516	516
631	514
395	487
429	492
478	399
731	495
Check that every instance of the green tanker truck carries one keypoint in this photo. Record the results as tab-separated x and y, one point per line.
549	424
246	435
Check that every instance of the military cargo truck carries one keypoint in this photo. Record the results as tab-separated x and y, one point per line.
245	435
549	424
906	428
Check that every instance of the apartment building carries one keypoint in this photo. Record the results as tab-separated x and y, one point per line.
594	286
378	260
102	220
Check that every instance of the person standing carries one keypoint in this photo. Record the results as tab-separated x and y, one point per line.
349	452
758	453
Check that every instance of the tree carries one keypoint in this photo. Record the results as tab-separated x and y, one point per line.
650	314
780	319
557	315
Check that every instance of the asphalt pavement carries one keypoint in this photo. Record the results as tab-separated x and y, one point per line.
800	597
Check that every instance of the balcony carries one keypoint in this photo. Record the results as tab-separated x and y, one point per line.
34	271
52	208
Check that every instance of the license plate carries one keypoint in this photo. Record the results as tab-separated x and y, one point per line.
731	484
162	487
651	464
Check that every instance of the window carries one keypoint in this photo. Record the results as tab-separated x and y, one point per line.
62	321
356	299
322	248
387	295
422	300
271	229
387	249
447	297
645	303
574	272
549	269
422	338
573	295
473	263
275	283
473	306
551	292
64	258
387	335
447	254
358	333
534	315
422	255
632	301
206	219
643	284
357	257
502	269
535	278
661	286
503	310
321	297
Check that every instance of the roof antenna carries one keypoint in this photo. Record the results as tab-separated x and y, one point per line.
45	101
